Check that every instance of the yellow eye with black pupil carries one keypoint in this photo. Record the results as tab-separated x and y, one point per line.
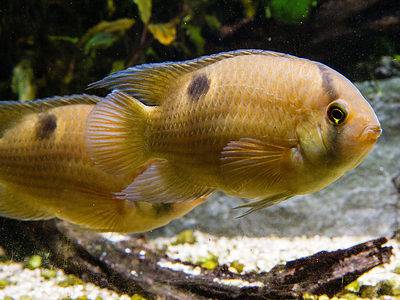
336	115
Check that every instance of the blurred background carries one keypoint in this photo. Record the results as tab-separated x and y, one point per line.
51	47
54	47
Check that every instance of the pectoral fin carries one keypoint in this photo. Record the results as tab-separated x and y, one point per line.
253	159
160	183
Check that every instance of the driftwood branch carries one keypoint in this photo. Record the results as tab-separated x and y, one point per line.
131	266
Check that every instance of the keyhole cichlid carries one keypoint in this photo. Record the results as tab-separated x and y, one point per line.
254	124
45	171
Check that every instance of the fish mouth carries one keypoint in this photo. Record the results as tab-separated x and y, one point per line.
372	132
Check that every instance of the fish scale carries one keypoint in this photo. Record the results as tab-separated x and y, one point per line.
54	176
47	153
251	123
254	124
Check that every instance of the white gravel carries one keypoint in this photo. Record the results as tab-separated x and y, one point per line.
26	282
261	254
256	254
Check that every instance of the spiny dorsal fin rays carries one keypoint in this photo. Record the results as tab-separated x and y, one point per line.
263	203
12	111
115	134
151	82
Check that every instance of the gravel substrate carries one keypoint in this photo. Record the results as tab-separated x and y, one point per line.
20	283
244	254
23	281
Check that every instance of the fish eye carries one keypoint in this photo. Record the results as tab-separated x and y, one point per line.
336	114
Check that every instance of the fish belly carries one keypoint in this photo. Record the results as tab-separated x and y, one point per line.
45	172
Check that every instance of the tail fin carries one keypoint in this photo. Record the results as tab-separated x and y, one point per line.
115	134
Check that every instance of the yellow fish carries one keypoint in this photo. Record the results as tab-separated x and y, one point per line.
251	123
254	124
45	171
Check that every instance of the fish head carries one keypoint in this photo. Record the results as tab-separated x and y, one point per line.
352	131
341	128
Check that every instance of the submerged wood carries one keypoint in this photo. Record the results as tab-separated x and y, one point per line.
132	267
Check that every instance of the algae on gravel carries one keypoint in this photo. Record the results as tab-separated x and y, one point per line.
4	283
70	280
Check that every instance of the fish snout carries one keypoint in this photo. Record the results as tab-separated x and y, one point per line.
372	132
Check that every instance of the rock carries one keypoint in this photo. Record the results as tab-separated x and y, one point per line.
364	202
388	67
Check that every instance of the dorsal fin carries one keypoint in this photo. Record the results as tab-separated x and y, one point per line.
12	111
150	83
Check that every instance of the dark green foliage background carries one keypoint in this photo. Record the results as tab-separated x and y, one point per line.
47	47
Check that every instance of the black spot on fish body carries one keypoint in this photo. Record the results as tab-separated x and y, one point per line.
47	124
333	143
198	87
162	208
327	82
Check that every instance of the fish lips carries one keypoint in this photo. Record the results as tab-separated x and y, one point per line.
371	133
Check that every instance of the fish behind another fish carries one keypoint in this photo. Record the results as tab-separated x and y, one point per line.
45	171
254	124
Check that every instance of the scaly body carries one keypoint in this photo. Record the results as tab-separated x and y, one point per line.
254	124
218	104
45	172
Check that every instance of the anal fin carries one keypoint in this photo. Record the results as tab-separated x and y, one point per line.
16	206
160	183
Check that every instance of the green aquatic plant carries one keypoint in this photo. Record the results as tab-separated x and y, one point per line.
34	262
22	81
144	7
290	11
53	57
105	34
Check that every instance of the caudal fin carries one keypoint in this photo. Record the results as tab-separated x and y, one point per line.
115	134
